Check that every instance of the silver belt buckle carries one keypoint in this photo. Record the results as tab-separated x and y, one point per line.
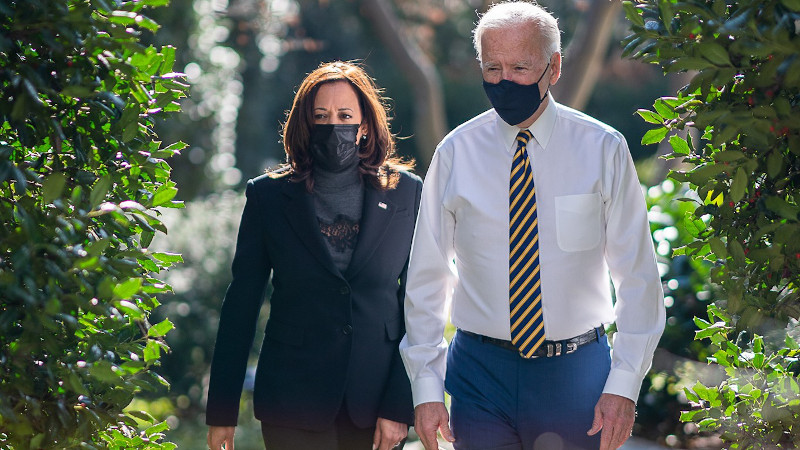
571	347
553	349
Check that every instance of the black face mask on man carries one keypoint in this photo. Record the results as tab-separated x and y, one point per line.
515	102
334	147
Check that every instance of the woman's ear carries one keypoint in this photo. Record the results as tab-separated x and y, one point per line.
362	133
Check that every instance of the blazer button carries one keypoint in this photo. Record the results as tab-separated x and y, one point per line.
347	329
344	290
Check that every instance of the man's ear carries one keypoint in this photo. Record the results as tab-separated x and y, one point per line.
555	68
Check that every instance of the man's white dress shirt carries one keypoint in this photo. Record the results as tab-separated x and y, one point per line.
592	223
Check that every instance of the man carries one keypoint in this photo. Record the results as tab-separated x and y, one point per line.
526	211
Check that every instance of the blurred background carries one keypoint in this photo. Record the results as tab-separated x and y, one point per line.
244	59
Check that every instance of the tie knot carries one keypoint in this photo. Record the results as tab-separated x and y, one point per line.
523	137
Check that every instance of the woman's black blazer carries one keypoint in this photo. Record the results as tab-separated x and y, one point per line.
332	338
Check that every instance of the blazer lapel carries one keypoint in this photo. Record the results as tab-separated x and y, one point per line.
377	214
299	211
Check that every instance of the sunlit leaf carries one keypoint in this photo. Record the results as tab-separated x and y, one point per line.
127	288
654	136
160	329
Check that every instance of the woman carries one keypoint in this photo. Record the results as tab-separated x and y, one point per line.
334	228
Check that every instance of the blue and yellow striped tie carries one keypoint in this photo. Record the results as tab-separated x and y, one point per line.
525	293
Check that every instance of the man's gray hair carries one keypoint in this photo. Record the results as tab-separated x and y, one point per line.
512	13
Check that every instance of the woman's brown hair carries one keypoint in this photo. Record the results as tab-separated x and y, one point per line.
379	165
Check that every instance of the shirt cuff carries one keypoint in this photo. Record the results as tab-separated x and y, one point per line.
623	383
429	389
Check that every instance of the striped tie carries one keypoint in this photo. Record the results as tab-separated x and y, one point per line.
525	293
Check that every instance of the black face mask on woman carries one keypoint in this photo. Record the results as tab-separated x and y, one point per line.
334	147
515	102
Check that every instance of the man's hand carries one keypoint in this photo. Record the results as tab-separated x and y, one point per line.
428	418
220	438
388	434
614	415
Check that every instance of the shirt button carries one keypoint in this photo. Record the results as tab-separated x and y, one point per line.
347	329
344	290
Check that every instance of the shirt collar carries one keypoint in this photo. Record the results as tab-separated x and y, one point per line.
541	130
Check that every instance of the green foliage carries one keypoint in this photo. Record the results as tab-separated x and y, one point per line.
758	405
686	294
80	173
744	162
740	115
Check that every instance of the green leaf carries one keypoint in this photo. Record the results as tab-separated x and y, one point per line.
782	208
650	116
127	288
728	155
160	329
665	106
758	344
715	53
654	136
149	265
147	23
633	14
679	145
36	441
701	391
701	174
688	63
152	351
738	185
130	309
774	164
147	238
97	247
175	146
99	191
666	13
141	415
77	91
794	5
53	187
694	226
718	247
168	52
157	428
104	371
164	194
736	251
168	257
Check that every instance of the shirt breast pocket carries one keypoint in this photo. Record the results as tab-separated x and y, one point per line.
578	221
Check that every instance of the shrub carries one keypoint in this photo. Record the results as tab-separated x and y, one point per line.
742	159
80	173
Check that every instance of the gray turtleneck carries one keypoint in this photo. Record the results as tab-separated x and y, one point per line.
338	199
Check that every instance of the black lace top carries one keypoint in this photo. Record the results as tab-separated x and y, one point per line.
338	199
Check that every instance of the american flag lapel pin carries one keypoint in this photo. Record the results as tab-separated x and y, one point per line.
381	205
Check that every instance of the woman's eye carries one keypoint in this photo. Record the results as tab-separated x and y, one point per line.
319	116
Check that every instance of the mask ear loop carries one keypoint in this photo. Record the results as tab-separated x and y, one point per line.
540	79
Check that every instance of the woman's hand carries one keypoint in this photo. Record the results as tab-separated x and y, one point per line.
388	434
220	438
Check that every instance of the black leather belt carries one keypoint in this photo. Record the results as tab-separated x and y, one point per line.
548	348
